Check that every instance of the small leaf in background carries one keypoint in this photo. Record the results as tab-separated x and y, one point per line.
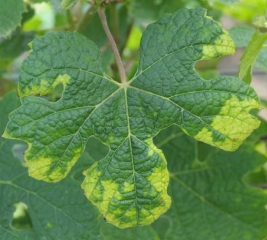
129	185
10	16
250	55
210	199
242	35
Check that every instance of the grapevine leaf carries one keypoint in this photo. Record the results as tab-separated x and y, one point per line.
209	197
242	35
10	16
249	56
55	210
129	184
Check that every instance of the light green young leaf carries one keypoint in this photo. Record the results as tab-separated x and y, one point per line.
210	199
55	210
129	185
250	55
10	16
242	36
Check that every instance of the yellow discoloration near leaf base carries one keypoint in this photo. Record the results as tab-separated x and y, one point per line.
44	86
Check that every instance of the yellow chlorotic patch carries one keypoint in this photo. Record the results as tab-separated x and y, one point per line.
132	219
40	168
233	122
44	86
224	45
64	79
91	180
159	179
128	187
132	214
148	217
153	149
110	188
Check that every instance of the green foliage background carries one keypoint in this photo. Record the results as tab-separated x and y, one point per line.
215	194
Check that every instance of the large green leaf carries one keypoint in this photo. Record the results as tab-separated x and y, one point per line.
210	199
55	210
10	15
129	185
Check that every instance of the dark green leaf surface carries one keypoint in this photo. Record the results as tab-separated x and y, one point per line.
10	16
210	199
129	185
58	211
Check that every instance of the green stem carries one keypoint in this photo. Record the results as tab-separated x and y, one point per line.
114	48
